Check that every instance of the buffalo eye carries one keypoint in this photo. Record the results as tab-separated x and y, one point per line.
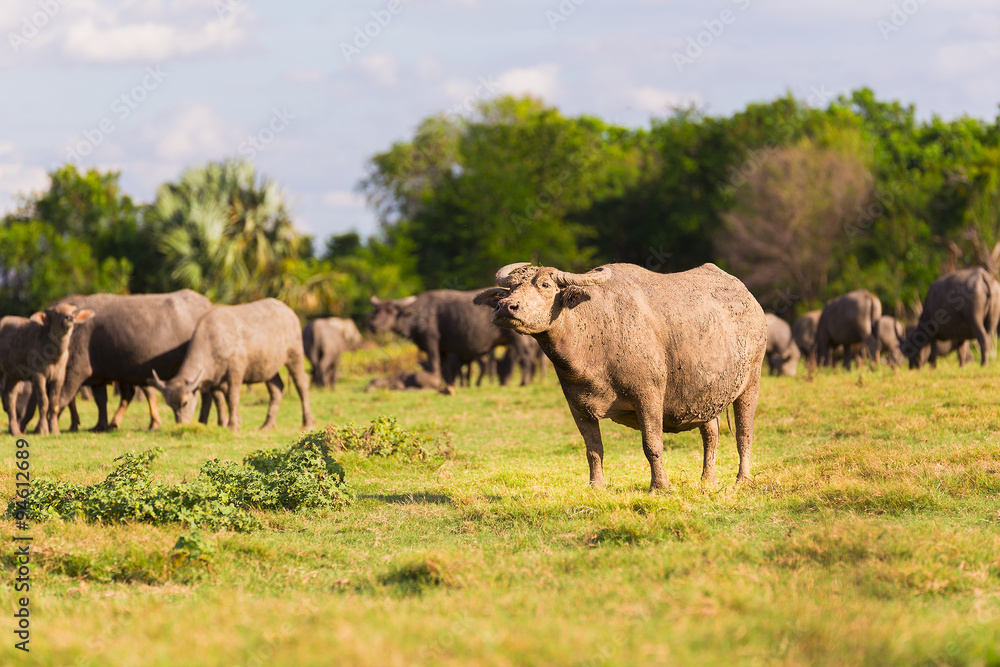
546	285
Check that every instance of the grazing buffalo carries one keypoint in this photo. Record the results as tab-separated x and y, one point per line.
660	353
36	350
525	352
782	352
848	320
940	348
890	333
232	345
444	324
324	340
959	306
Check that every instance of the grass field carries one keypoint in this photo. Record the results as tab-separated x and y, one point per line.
869	535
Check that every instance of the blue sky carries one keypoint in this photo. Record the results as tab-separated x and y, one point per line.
149	87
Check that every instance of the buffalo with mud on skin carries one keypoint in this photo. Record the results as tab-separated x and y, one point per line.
660	353
232	345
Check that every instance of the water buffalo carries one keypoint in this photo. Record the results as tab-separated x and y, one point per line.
232	345
959	306
444	324
890	334
847	320
525	352
782	352
324	340
406	380
36	350
804	333
940	348
130	337
660	353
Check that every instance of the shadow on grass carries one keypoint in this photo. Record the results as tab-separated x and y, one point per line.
410	498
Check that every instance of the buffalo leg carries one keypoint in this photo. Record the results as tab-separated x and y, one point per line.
74	416
297	372
590	429
205	411
42	391
651	425
233	399
744	409
274	390
983	338
13	423
154	411
219	398
126	393
710	441
101	401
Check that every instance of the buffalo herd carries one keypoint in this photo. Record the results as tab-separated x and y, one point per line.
659	353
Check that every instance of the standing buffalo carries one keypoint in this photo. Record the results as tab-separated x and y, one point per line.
236	344
660	353
324	340
444	324
848	320
130	337
782	352
959	306
36	350
804	333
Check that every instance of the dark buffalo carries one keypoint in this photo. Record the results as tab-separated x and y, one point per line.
445	325
129	338
660	353
849	320
959	306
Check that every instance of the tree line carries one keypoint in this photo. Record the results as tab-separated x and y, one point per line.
802	203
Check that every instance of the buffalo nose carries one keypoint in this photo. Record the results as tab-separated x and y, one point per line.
507	308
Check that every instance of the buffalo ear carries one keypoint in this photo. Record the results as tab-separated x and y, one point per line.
490	297
83	316
573	296
38	318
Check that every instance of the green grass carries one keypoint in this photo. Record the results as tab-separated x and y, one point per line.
869	535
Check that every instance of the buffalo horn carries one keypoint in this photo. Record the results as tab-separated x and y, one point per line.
504	273
594	277
197	379
158	383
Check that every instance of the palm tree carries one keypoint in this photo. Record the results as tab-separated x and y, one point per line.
224	232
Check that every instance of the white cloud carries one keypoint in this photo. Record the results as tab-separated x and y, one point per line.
381	67
539	81
146	41
19	179
194	131
660	101
343	199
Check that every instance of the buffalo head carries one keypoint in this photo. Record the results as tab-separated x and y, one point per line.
530	298
179	393
388	312
61	319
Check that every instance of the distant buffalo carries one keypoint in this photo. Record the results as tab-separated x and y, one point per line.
848	320
960	306
782	352
324	340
